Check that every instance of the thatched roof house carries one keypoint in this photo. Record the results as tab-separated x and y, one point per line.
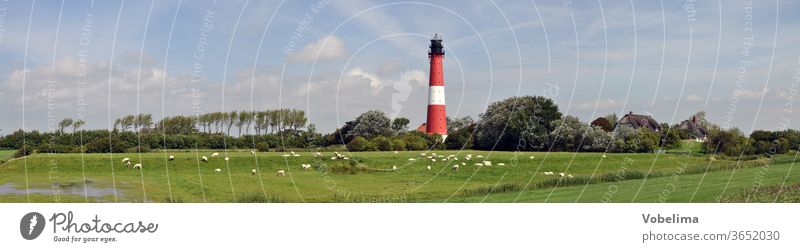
638	121
695	127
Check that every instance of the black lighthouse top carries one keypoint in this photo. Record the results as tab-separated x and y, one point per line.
436	45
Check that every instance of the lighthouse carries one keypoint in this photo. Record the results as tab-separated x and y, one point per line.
437	117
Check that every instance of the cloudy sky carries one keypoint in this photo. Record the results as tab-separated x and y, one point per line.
737	60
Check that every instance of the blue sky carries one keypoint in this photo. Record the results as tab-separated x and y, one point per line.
592	57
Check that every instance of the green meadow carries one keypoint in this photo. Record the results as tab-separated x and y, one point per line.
681	175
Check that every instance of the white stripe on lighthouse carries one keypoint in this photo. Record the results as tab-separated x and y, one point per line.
436	96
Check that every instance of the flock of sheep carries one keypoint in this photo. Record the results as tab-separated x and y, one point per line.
432	158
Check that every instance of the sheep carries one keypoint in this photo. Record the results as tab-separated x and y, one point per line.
478	164
501	164
205	159
455	158
218	170
345	158
287	155
280	173
137	166
412	159
455	168
294	154
429	167
395	152
394	167
253	171
252	152
226	159
433	160
422	154
333	158
548	173
479	156
124	160
317	154
128	164
487	163
306	166
215	154
604	155
171	158
569	175
561	174
433	154
532	157
464	164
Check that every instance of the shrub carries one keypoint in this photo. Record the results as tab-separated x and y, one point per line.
382	143
398	144
262	147
24	150
360	143
106	145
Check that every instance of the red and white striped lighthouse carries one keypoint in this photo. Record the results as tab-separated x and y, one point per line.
437	117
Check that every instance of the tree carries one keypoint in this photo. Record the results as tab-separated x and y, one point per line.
77	124
516	123
382	143
730	142
603	123
231	118
371	124
65	123
400	124
612	120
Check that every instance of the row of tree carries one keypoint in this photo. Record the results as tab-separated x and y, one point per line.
527	123
262	122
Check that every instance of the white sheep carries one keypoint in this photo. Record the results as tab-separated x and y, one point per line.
137	166
455	168
252	152
478	164
561	174
501	164
479	156
124	160
333	158
215	154
171	158
280	173
412	159
317	154
532	157
433	154
395	152
487	163
345	158
433	160
569	175
394	167
128	164
548	173
422	154
205	159
604	155
226	159
218	170
287	155
464	164
253	171
429	167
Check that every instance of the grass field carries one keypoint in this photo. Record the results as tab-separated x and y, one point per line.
368	177
6	154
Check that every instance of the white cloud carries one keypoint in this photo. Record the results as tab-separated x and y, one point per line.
326	48
750	94
694	98
601	104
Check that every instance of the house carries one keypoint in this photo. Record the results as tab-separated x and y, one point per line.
422	128
695	127
638	121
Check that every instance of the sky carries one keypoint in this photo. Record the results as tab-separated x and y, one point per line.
100	60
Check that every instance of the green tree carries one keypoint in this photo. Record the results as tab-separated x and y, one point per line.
516	123
371	124
400	125
77	124
65	123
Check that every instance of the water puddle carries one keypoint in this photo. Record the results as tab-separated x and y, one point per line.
74	188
